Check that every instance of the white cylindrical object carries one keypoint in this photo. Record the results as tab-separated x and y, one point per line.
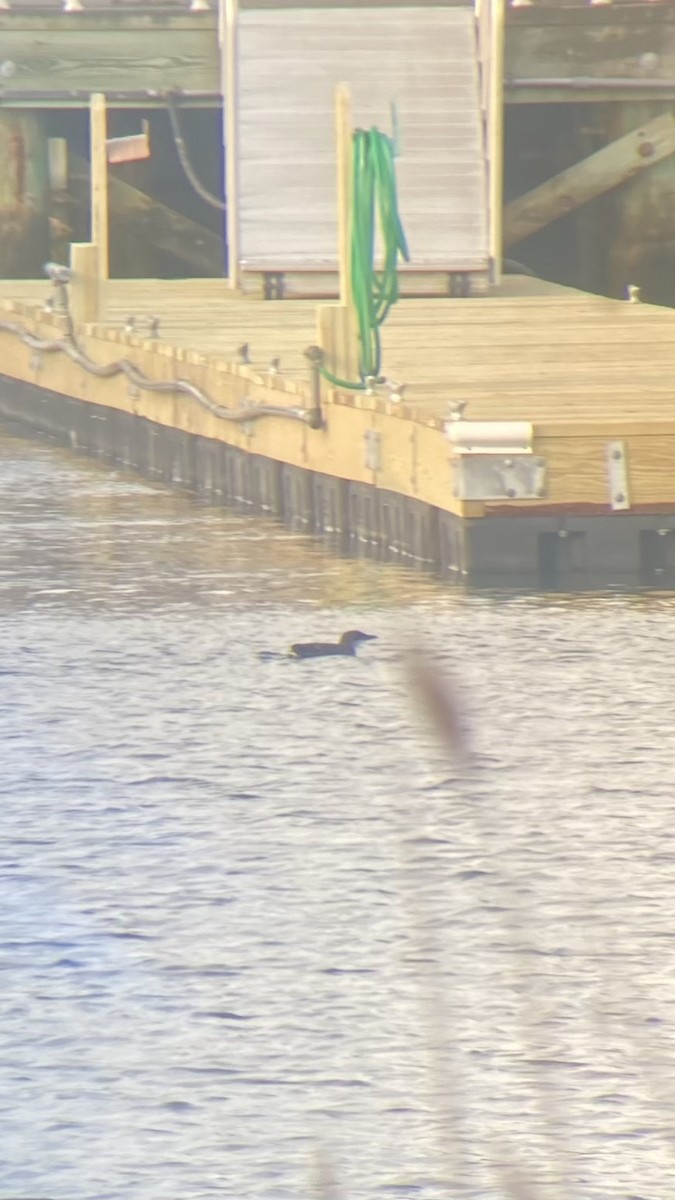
490	437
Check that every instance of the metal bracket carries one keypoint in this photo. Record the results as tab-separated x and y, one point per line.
497	477
273	285
617	475
373	442
137	324
459	284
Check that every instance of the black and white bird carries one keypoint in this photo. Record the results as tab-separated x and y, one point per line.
346	646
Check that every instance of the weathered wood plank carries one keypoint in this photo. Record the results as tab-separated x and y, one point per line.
633	43
86	290
607	168
228	39
98	133
53	54
248	4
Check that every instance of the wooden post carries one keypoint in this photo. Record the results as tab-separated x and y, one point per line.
496	137
89	261
336	325
343	140
98	131
24	230
85	285
228	22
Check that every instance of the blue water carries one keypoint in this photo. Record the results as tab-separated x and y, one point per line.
258	931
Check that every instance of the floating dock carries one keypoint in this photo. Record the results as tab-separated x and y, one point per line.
529	433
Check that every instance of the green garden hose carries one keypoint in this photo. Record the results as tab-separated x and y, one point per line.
373	291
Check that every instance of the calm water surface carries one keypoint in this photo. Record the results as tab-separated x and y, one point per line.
254	928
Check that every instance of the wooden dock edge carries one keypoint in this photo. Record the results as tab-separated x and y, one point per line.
373	480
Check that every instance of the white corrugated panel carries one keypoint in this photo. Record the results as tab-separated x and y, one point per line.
421	59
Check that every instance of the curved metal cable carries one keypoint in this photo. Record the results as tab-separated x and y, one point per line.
183	157
123	367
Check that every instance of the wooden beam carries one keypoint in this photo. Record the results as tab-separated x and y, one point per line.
109	51
490	29
606	169
85	286
337	328
229	67
619	50
98	134
344	151
159	225
249	4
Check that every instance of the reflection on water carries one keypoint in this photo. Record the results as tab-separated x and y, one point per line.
247	906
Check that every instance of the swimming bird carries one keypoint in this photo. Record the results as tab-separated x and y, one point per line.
347	645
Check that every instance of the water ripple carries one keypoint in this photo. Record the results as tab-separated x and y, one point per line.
245	906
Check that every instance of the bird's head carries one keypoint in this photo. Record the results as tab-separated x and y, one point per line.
353	636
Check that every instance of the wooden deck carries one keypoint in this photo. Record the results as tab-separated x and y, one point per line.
533	351
581	369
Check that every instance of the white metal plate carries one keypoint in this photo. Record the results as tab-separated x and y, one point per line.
373	446
499	477
617	476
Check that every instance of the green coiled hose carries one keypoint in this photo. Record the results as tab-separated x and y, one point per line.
374	291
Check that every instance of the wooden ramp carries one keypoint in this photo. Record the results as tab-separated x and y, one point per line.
420	60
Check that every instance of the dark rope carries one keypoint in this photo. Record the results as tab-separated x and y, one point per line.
184	160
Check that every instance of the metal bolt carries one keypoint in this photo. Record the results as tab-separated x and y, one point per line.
619	498
616	454
648	61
